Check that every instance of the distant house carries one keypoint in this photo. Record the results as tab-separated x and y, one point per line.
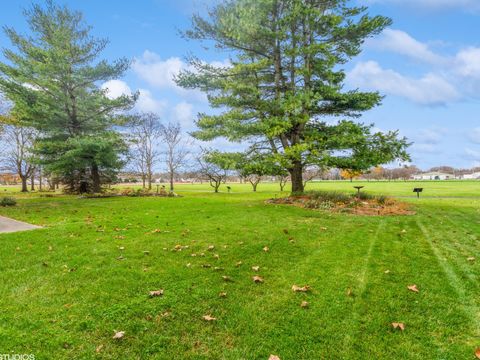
435	175
473	176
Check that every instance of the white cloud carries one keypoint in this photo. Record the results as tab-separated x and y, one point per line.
183	114
427	141
454	76
160	73
116	88
145	103
431	89
467	63
156	72
431	136
424	148
402	43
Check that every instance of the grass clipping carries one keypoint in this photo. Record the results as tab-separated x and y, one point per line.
358	204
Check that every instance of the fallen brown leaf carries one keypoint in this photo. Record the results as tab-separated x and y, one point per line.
304	304
156	293
266	249
98	348
226	278
400	326
477	353
257	279
208	318
223	294
413	288
297	288
239	263
273	357
118	335
255	268
471	258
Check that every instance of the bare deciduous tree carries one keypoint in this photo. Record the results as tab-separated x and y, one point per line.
310	174
177	149
18	156
146	130
212	172
283	179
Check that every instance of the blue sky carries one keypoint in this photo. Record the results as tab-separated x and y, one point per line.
427	64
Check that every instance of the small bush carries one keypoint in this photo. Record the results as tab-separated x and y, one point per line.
382	199
364	196
7	201
328	196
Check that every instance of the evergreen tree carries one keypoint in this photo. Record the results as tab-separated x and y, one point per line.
284	89
53	78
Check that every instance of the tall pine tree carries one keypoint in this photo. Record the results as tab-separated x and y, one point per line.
284	91
53	77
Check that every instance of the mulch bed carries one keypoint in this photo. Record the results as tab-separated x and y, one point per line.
369	207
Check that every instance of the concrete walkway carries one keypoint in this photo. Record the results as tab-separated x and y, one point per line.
9	225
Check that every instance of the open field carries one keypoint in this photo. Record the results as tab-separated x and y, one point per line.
458	188
67	287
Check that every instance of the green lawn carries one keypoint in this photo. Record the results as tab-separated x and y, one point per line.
64	290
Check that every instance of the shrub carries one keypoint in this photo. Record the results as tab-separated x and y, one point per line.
382	199
8	201
328	196
364	196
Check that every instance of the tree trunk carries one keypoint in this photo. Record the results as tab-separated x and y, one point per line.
32	182
254	186
171	181
24	183
296	174
96	183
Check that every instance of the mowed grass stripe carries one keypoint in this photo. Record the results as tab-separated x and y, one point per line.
453	247
465	295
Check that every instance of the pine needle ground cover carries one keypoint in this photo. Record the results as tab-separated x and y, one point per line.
212	276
